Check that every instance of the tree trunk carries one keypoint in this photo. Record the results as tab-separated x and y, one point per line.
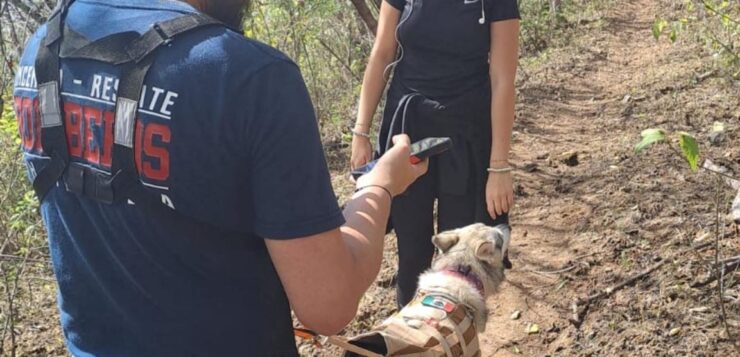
366	15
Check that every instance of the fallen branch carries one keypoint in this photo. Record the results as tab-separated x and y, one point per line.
553	271
731	265
580	306
15	257
705	75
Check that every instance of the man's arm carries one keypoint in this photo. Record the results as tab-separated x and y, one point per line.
325	275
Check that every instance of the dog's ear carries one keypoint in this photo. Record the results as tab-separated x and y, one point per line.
445	240
501	235
485	250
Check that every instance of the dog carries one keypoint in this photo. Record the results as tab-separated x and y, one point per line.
449	309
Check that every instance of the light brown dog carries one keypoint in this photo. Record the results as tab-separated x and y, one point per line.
449	309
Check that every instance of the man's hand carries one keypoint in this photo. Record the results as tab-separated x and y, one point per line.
326	274
499	193
394	170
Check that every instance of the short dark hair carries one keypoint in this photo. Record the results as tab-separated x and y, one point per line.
230	12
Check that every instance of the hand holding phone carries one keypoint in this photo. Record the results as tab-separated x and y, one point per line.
420	150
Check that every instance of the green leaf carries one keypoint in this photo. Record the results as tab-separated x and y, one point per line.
649	137
726	20
689	149
676	27
658	26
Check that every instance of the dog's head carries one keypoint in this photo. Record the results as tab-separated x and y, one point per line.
479	248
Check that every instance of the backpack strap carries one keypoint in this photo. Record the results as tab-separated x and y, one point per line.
131	51
53	136
126	47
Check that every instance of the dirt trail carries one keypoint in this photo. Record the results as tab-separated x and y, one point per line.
573	136
590	213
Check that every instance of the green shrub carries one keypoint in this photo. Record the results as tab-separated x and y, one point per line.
329	44
716	23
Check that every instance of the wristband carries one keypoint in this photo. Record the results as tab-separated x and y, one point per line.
359	133
378	186
500	170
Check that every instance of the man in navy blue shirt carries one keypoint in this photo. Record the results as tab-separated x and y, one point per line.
226	135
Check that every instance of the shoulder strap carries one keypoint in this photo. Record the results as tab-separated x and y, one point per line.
126	182
53	137
129	49
163	33
126	47
109	49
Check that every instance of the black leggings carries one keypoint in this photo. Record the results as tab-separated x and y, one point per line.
413	219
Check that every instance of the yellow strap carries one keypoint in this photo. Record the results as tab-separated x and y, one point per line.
340	342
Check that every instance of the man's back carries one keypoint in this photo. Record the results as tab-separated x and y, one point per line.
226	135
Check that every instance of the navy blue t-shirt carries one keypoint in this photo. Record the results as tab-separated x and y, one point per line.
445	45
228	137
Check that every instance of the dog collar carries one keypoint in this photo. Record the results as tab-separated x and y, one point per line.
465	273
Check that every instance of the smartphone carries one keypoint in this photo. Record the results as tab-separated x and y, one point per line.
428	147
420	150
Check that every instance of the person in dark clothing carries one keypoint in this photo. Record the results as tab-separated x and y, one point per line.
454	66
243	224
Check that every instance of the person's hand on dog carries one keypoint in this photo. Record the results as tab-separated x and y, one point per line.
394	171
499	193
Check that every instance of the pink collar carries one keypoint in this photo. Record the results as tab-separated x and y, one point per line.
465	273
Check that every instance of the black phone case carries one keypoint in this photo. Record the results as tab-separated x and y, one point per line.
420	150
